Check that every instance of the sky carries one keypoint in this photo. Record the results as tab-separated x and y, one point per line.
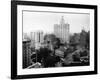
44	21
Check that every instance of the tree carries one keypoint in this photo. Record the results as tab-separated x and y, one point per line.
56	42
84	38
51	38
74	39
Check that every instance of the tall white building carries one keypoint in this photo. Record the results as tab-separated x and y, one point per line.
37	38
62	30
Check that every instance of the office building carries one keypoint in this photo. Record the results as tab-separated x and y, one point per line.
62	30
26	54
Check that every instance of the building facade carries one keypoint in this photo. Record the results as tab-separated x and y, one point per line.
26	54
37	38
62	30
